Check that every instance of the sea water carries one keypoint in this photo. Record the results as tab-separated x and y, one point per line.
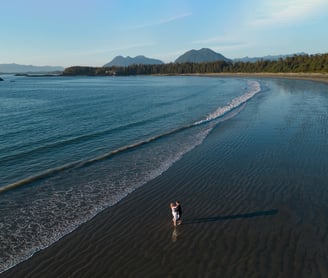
72	146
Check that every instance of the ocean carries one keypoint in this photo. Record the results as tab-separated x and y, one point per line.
71	147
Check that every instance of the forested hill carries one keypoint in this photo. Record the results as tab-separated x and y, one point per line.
296	64
203	55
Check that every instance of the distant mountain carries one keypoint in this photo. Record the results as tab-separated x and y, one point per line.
268	57
201	56
121	61
15	68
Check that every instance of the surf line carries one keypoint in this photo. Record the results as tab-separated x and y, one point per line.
255	88
221	111
77	139
83	163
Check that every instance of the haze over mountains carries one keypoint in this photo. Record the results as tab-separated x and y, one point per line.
15	68
268	57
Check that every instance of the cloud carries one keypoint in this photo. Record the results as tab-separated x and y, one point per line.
222	43
162	21
287	11
174	18
218	40
131	46
96	51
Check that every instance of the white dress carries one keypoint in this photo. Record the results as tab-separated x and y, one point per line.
175	213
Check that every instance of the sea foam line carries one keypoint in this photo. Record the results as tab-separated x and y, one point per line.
254	88
72	140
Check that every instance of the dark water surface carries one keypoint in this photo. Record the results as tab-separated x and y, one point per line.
70	147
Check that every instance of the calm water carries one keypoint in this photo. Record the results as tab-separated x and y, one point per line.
70	147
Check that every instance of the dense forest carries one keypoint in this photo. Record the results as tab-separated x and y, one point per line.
295	64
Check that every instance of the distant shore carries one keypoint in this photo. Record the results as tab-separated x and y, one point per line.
320	77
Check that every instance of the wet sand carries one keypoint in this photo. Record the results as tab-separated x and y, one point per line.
235	223
319	77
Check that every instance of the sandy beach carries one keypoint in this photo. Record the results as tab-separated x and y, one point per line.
319	77
235	223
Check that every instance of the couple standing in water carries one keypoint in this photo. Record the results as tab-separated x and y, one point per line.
176	213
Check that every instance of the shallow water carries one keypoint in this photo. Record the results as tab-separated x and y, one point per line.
70	147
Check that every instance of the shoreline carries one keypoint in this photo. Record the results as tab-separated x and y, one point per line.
319	77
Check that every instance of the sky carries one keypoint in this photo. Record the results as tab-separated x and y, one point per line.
92	32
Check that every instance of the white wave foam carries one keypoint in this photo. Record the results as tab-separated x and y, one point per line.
254	87
102	193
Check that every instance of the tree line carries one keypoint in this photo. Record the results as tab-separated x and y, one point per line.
295	64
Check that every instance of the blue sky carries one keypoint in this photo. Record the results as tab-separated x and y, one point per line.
93	32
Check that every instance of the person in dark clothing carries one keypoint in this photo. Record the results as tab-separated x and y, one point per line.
179	210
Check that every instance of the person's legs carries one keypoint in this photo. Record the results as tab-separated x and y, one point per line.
175	217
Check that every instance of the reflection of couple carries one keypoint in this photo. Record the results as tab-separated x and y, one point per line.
176	213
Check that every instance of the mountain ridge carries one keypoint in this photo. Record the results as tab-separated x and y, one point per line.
141	59
201	56
121	61
267	57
